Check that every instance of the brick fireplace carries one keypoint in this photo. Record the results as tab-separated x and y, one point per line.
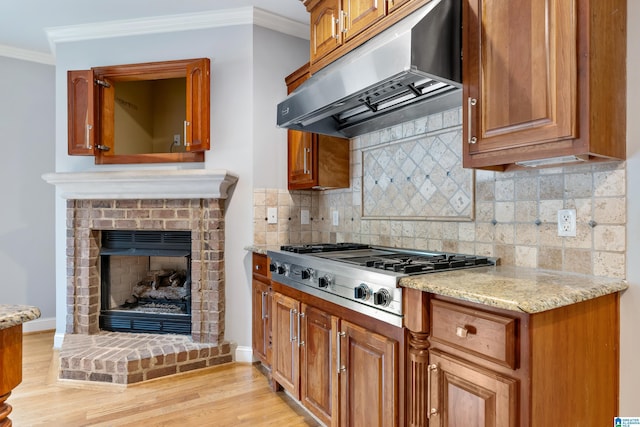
189	200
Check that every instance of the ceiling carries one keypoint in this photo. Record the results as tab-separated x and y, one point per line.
23	22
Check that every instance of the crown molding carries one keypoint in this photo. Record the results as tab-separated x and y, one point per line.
27	55
173	23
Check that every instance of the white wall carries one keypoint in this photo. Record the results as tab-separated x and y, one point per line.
26	219
630	301
242	122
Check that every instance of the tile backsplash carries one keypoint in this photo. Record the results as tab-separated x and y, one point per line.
514	215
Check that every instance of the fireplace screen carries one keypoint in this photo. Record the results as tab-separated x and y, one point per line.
146	281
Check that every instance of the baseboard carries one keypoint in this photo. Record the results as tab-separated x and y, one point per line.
42	324
57	340
244	354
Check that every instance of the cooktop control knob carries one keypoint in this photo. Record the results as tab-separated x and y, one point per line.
272	267
282	268
382	297
362	292
324	281
306	274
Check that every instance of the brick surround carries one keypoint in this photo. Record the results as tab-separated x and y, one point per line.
107	358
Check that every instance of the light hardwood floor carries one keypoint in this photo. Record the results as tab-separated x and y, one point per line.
229	395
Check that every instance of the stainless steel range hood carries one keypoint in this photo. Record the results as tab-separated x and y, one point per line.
410	70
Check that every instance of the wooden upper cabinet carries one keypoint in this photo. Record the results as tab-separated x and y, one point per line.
300	147
393	5
359	15
80	113
198	106
540	82
315	161
325	32
152	112
338	26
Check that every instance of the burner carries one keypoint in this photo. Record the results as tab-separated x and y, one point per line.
417	264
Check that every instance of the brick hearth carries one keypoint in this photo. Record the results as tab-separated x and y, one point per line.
122	358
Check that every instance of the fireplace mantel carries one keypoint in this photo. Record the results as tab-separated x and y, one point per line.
143	184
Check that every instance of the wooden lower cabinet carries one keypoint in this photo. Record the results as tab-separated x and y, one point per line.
261	310
285	354
474	365
368	391
317	382
343	373
466	395
261	330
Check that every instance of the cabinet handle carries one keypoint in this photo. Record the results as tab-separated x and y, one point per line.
461	331
339	368
300	342
294	335
471	102
186	143
291	325
333	27
343	22
87	136
305	166
264	305
430	368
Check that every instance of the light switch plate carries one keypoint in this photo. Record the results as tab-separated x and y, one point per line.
304	217
336	218
272	215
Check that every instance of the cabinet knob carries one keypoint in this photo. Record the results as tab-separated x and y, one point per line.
461	331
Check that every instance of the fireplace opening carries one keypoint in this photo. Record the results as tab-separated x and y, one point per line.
145	281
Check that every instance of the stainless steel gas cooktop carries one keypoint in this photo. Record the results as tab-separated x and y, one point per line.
361	277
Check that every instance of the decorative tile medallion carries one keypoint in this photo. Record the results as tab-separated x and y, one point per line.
418	178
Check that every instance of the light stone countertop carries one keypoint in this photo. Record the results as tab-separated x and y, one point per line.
261	249
513	288
13	315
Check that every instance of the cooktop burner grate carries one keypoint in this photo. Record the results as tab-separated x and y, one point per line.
417	264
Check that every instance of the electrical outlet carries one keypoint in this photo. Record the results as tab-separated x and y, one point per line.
304	217
272	215
176	139
567	222
336	218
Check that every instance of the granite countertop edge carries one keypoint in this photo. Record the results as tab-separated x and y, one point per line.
13	315
515	288
260	249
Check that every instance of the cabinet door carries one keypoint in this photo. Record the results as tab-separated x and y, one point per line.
285	355
519	74
325	34
198	106
301	160
360	15
465	395
317	378
81	113
368	378
260	332
392	5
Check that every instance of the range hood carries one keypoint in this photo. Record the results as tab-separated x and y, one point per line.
410	70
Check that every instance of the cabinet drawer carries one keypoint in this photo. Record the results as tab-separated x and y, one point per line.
485	334
260	267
